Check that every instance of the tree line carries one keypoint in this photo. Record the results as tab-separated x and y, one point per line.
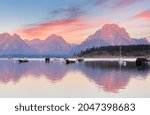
125	50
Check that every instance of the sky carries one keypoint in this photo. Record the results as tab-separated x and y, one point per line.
74	20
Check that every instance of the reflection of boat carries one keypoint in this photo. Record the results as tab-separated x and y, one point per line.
10	58
56	59
69	61
24	60
141	61
80	60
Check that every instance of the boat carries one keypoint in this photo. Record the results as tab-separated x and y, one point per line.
24	60
80	60
69	61
47	60
142	61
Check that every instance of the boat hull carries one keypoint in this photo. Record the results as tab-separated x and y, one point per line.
70	61
23	61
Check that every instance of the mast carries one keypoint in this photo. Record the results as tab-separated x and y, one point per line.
120	60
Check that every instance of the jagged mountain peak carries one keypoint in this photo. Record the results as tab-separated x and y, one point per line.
53	45
5	33
56	39
109	26
5	36
114	30
111	33
15	35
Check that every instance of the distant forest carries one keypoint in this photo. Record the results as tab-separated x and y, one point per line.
126	51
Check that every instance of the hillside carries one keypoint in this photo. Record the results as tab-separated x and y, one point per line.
114	51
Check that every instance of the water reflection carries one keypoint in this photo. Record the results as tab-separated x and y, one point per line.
107	75
111	76
10	71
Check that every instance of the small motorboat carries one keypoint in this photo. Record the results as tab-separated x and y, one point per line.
80	60
141	61
70	61
24	60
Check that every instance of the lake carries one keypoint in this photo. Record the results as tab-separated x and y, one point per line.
85	79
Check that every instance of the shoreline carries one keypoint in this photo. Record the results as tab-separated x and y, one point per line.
75	58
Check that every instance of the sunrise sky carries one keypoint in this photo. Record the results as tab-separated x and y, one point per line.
74	20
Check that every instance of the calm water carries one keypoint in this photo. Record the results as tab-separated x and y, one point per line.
87	79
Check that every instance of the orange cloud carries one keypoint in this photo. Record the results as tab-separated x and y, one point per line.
143	15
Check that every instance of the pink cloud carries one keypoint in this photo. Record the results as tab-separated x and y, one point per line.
38	30
143	15
71	30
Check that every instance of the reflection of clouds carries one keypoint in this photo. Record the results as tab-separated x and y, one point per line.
10	71
109	75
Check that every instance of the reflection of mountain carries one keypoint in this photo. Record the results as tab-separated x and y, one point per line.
10	71
109	75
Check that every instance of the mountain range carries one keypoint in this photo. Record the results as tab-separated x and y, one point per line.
54	45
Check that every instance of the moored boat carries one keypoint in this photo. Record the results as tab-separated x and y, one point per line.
69	61
141	61
24	60
47	60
